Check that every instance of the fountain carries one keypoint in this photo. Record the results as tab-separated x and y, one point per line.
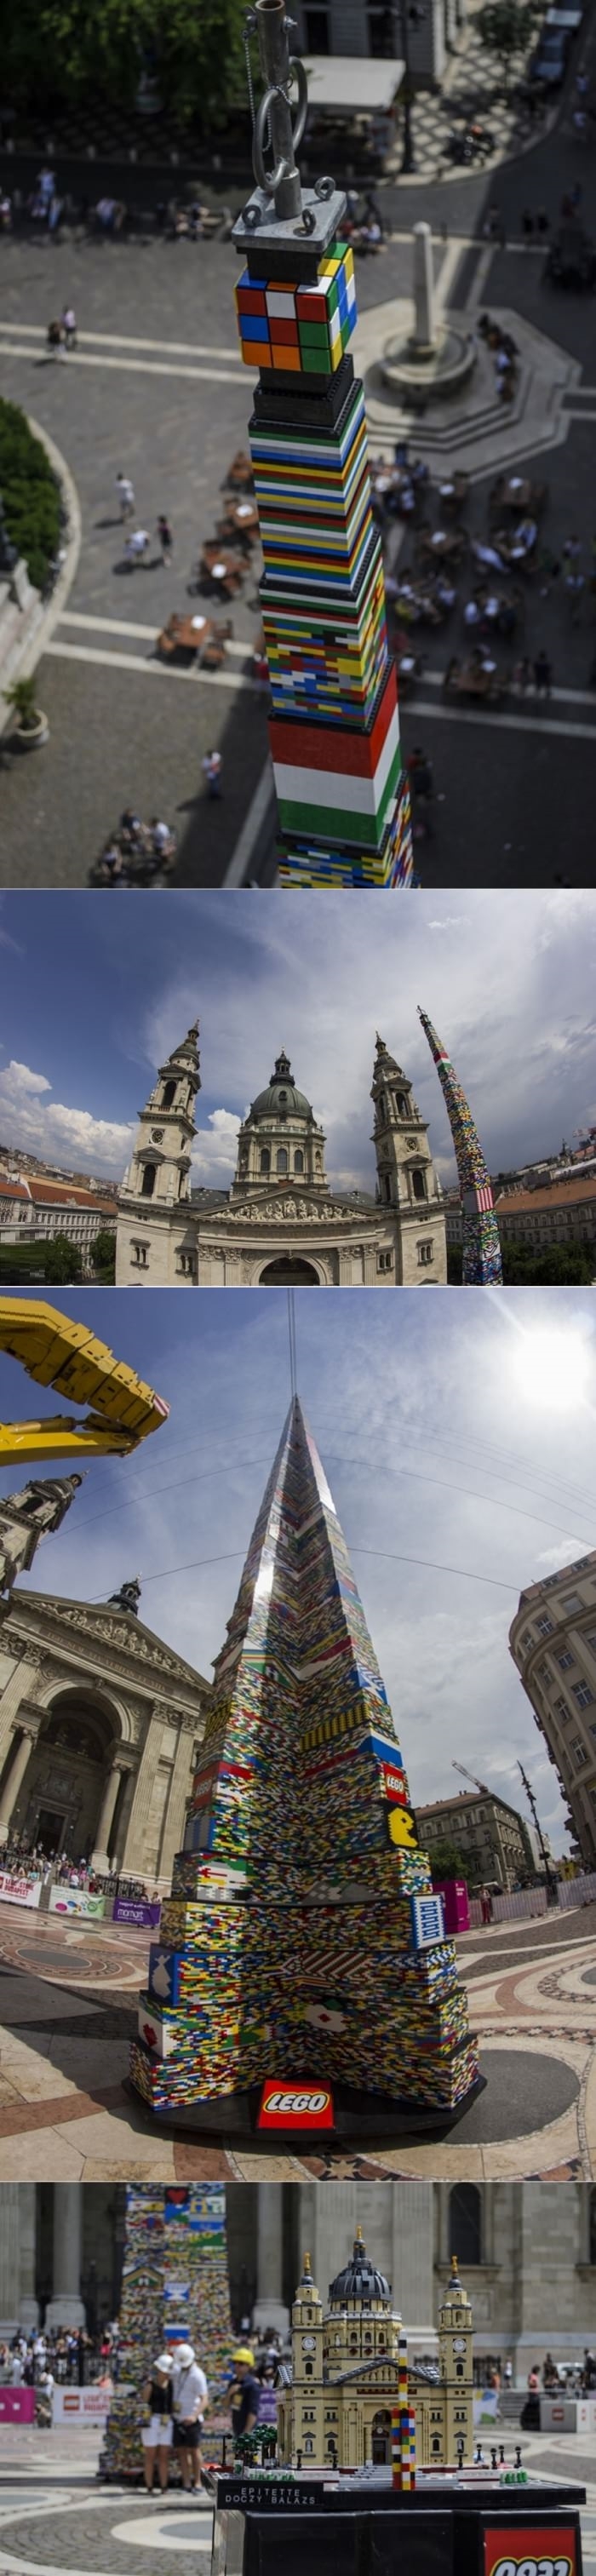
435	358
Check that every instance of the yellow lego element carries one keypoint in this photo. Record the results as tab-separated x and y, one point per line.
67	1356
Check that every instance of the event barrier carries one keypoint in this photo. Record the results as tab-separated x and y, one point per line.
83	2405
17	2405
18	1891
558	2414
128	1909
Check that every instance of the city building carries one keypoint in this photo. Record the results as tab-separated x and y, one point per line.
35	1211
100	1728
526	2254
553	1642
282	1221
375	28
561	1211
493	1840
344	2373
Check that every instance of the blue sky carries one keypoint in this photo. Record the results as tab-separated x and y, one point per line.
94	993
459	1430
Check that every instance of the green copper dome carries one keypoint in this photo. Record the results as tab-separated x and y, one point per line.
281	1099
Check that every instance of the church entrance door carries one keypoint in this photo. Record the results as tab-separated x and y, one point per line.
289	1274
50	1831
381	2439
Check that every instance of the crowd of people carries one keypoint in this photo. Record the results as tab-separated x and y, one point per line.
22	1858
137	854
60	2356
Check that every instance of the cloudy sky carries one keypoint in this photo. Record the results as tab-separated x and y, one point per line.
95	994
458	1438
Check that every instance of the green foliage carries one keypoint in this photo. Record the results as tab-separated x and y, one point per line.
103	1254
562	1265
503	27
21	696
447	1862
55	53
62	1261
30	494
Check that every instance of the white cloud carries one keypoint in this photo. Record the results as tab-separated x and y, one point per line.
214	1155
56	1132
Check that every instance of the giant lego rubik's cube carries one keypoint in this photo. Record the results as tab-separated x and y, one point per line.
174	2290
482	1265
342	793
302	1936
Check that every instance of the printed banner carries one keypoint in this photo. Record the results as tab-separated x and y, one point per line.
543	2549
75	1900
18	1891
83	2405
128	1910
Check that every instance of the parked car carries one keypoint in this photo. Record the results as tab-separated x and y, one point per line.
572	257
549	62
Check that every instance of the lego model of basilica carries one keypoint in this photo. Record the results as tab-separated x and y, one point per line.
282	1222
337	2405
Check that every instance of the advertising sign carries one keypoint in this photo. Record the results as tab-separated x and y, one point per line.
17	2405
18	1891
295	2106
82	2405
75	1900
544	2549
558	2414
585	2414
130	1909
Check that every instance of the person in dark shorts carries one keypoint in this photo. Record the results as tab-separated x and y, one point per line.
245	2392
190	2399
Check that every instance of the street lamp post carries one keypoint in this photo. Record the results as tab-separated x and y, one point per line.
408	162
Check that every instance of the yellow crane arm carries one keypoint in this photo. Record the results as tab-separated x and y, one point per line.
67	1356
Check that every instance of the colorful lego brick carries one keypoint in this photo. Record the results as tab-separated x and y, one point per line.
320	318
428	1921
481	1244
174	2286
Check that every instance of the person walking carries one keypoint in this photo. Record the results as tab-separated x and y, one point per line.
575	586
156	2434
69	326
165	538
190	2402
543	675
211	767
126	496
527	224
137	547
267	2377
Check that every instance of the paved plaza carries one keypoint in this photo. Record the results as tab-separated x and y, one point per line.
157	389
68	2010
55	2520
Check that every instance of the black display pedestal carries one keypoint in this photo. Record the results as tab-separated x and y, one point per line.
361	2527
355	2116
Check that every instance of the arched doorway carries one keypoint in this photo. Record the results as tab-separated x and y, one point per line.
66	1776
381	2438
289	1274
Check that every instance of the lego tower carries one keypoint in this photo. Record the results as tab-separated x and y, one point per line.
334	729
302	1939
174	2290
482	1249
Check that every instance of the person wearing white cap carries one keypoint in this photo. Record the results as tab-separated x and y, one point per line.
156	2436
190	2402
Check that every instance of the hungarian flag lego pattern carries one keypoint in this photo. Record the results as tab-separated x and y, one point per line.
482	1263
322	592
291	1944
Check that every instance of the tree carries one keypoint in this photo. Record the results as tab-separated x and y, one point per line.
562	1265
103	1250
56	54
62	1261
446	1861
503	27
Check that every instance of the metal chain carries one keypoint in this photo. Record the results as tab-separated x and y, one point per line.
248	32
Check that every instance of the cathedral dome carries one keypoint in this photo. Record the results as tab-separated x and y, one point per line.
281	1099
359	2280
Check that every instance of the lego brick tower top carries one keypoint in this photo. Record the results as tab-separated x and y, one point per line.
302	1931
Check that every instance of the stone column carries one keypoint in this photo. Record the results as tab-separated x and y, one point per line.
66	2305
423	287
15	1777
9	2257
22	1684
269	2308
28	2306
100	1855
180	1785
134	1848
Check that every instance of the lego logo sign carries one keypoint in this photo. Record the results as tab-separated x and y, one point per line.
295	2106
523	2550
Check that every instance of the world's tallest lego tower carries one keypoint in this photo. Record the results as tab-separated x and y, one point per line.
481	1244
342	792
302	1938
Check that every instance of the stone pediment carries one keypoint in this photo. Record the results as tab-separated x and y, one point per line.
292	1211
121	1641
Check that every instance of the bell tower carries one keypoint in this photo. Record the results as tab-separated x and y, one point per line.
161	1160
307	2369
407	1183
456	2349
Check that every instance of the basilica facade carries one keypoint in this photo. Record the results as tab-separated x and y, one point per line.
100	1728
282	1223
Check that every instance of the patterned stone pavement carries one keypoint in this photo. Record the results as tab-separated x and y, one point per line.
68	2011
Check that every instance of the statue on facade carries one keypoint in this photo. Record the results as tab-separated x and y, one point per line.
34	1513
127	1598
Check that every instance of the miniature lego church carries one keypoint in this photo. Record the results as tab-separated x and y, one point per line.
347	2376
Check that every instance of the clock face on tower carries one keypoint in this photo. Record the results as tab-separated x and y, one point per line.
308	2343
459	2343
